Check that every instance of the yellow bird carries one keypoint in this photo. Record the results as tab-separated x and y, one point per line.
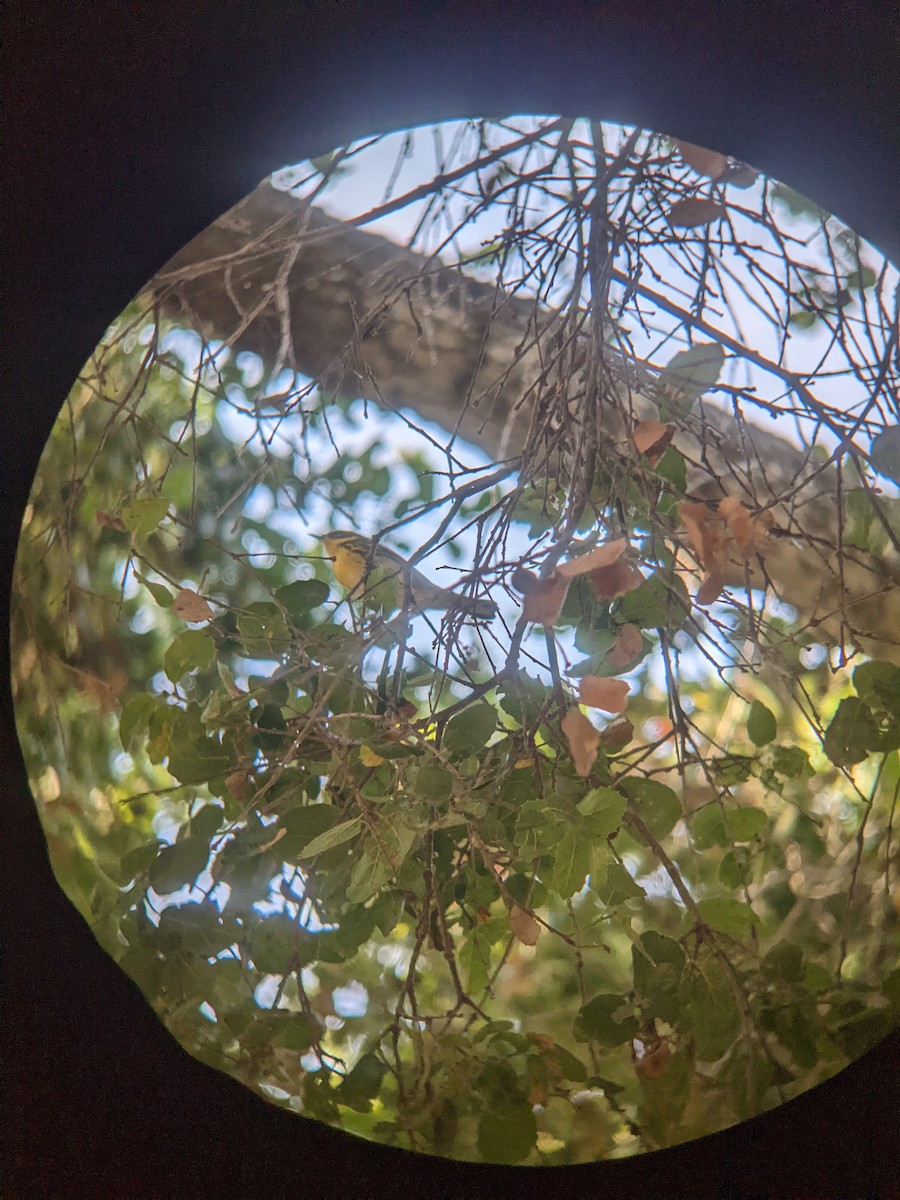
384	579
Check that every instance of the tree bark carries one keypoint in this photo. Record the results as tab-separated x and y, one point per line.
363	316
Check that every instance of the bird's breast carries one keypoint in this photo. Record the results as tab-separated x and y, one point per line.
348	570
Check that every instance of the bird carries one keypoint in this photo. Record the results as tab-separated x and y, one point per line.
384	579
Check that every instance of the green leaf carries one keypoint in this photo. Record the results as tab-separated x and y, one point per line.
688	375
331	838
730	872
142	514
793	1030
278	944
571	863
296	1032
607	1019
661	602
710	1012
707	826
191	649
135	718
196	928
884	454
605	808
303	824
197	760
851	734
136	862
263	630
207	822
158	591
269	717
302	595
816	979
564	1065
525	700
507	1130
656	973
796	203
803	318
730	769
791	762
387	911
673	468
862	279
527	892
785	962
166	721
370	873
864	1030
363	1084
661	949
761	724
617	887
891	988
727	915
745	823
469	731
434	783
657	805
357	925
878	685
178	865
475	959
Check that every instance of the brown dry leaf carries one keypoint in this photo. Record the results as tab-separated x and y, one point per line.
693	517
705	162
738	520
594	560
110	521
397	721
627	646
609	694
741	176
523	925
655	1061
543	1041
615	580
696	210
238	784
191	607
617	735
105	692
583	740
710	588
652	438
750	533
546	598
707	534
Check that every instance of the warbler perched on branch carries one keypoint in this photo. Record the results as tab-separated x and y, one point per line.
382	579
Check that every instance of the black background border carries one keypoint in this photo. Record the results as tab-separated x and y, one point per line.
127	129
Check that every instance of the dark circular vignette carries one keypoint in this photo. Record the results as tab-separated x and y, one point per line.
131	130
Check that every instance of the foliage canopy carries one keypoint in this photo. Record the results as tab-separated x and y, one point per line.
608	873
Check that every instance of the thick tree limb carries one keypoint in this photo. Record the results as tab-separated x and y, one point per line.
366	317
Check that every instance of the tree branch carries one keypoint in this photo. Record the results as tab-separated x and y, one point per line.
373	319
